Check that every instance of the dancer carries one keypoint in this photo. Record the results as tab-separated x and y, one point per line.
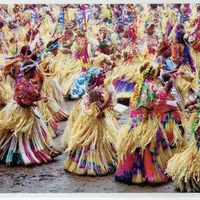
91	145
52	65
184	167
173	120
142	146
149	39
24	138
164	56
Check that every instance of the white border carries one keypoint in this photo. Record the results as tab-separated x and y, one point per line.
94	1
98	196
101	196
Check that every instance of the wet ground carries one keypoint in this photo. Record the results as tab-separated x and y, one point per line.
52	178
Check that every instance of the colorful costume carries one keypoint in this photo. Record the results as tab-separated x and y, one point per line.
24	138
142	146
173	120
184	167
52	65
124	78
90	145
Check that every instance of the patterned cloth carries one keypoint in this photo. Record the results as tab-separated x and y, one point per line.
81	82
147	94
25	91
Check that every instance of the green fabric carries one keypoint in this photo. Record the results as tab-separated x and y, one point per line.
196	121
146	95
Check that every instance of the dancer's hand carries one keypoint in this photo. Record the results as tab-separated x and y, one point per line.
34	104
100	115
45	99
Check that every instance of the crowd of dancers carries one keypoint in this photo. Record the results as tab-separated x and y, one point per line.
98	54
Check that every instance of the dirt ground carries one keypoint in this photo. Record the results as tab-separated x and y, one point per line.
52	178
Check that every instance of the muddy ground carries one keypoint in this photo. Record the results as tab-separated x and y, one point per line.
52	178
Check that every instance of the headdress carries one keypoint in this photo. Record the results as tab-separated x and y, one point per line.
180	34
149	24
179	26
54	45
91	74
69	25
84	81
81	31
131	33
119	26
102	27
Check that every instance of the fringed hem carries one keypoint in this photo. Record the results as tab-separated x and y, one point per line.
20	150
146	165
22	142
143	151
61	116
184	168
53	129
93	162
91	144
130	138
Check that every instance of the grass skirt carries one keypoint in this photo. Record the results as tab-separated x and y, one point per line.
91	145
184	168
68	76
24	138
76	109
5	93
143	152
174	126
47	117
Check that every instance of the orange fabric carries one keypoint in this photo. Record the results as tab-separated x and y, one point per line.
177	51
